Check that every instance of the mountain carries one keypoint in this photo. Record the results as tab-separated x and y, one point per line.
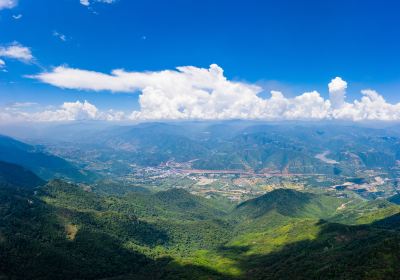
41	241
312	148
68	231
335	251
41	163
15	175
289	203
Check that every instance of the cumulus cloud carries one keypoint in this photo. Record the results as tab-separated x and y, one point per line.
16	51
199	93
337	92
372	106
8	4
2	63
69	111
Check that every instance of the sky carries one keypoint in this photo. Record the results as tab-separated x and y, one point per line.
116	60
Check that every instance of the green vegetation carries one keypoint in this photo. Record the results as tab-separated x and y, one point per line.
66	231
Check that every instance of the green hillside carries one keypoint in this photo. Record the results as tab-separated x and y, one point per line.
65	231
289	203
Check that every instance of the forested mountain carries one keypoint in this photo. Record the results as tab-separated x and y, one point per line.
66	231
15	175
289	203
41	163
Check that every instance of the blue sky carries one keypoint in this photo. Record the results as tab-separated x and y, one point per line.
290	46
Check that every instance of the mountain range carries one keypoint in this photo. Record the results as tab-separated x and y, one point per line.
57	221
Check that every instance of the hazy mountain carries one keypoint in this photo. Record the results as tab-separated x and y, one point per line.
335	149
15	175
313	148
34	158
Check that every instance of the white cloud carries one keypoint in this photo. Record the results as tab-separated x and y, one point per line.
85	2
60	36
337	92
88	2
8	4
19	16
70	78
198	93
372	106
69	111
2	63
16	51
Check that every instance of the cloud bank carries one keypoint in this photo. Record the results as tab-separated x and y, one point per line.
206	94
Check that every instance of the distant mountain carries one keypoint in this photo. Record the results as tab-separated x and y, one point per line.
15	175
291	148
43	164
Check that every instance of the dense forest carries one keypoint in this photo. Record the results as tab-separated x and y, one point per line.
59	230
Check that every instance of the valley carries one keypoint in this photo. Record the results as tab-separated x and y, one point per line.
239	159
